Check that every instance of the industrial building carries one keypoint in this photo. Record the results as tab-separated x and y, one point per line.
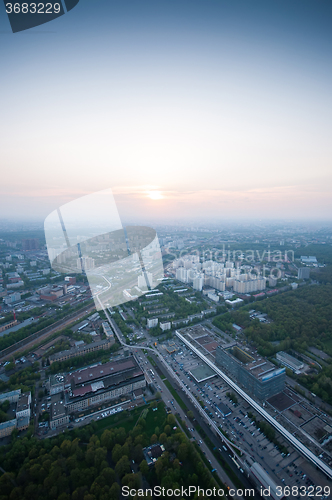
92	386
11	396
107	329
22	412
59	415
303	273
258	377
224	410
82	350
8	325
289	361
6	428
263	480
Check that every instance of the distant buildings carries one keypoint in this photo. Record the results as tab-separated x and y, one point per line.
198	282
308	260
30	244
247	286
145	281
213	296
151	323
235	302
182	274
217	275
8	325
12	298
303	273
85	263
165	326
272	282
82	350
107	329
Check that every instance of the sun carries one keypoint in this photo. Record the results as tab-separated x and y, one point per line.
155	195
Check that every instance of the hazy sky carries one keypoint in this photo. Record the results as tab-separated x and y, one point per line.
222	107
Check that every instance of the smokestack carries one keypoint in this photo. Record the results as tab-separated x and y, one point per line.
14	314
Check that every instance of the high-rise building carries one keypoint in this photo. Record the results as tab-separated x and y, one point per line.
142	281
85	263
249	286
303	273
260	378
30	244
152	322
198	282
272	281
182	274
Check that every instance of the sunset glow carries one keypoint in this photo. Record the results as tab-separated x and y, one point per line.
155	195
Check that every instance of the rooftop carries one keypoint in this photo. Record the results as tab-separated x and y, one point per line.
58	409
256	365
95	372
23	402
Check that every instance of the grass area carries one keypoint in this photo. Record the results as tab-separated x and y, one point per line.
127	418
152	361
176	396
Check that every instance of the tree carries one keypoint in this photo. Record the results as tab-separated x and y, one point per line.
117	453
171	419
154	439
131	480
190	414
163	437
167	429
123	466
182	452
114	491
144	468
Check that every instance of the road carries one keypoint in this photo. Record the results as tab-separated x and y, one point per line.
167	397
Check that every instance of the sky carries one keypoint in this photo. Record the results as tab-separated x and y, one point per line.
214	109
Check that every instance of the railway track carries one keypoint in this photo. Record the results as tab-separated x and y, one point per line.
43	334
